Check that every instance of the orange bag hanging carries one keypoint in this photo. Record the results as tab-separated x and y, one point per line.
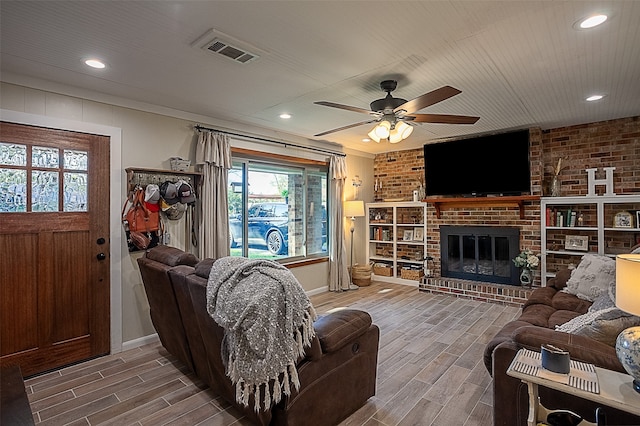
138	217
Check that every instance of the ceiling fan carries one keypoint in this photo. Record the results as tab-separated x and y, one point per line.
392	114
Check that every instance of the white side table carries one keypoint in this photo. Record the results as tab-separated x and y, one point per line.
615	391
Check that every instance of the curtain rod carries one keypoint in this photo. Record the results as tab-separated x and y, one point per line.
286	144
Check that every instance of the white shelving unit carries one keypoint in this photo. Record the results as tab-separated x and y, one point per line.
596	228
386	241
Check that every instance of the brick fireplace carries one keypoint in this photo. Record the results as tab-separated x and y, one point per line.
602	144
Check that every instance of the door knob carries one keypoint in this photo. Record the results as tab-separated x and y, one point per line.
101	256
100	241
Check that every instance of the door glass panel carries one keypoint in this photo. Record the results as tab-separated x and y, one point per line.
75	160
454	253
13	186
469	254
75	192
485	258
13	154
44	191
45	157
503	261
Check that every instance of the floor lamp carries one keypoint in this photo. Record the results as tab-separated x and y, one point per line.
353	209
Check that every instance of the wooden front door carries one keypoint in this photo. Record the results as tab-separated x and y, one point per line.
54	247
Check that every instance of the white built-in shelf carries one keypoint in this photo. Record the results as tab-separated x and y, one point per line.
395	223
603	237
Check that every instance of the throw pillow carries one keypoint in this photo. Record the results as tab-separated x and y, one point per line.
594	275
603	325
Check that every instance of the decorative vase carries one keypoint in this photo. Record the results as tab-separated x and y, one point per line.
555	187
628	351
525	277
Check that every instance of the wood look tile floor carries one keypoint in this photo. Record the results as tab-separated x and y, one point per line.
430	371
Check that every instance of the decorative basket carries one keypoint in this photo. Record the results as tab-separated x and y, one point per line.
361	275
179	165
411	274
383	271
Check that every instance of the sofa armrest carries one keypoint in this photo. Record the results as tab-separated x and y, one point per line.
580	348
341	327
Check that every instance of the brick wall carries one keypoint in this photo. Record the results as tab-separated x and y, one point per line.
613	143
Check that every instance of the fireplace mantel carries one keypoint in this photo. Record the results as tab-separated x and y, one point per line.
506	201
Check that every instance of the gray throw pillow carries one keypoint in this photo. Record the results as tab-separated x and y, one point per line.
593	276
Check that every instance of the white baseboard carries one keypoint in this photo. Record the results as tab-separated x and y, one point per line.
141	341
317	291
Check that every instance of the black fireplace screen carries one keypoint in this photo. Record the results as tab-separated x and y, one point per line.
479	253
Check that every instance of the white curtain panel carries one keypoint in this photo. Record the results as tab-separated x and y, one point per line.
213	156
338	271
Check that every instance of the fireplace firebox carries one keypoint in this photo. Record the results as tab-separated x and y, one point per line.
480	253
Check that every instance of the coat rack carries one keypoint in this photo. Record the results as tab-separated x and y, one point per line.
143	177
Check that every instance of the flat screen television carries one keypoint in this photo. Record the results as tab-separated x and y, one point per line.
479	166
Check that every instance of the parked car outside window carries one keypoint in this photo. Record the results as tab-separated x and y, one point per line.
268	224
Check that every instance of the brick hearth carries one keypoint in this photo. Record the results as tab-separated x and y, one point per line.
485	292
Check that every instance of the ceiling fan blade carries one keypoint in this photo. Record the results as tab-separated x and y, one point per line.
347	107
442	118
346	127
428	99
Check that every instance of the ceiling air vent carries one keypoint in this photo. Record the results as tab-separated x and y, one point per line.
222	44
235	53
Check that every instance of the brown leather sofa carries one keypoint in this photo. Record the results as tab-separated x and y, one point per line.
545	308
337	374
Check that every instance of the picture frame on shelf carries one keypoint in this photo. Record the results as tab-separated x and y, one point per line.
407	235
576	242
418	234
623	219
638	219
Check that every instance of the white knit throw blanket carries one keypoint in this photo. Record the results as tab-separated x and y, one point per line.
268	321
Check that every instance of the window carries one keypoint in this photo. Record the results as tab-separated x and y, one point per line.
286	209
42	179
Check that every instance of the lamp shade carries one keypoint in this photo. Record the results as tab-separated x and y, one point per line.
395	136
628	299
383	129
404	129
373	136
628	283
354	208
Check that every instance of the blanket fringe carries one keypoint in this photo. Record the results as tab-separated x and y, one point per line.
277	391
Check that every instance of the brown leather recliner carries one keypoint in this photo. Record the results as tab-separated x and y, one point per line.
337	374
163	308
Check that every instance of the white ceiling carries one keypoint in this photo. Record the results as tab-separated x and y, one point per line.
518	63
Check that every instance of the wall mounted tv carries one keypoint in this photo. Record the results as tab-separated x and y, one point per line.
486	165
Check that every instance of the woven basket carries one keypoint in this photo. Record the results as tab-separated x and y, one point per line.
382	271
411	274
361	275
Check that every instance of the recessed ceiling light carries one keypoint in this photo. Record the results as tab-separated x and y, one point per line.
366	140
95	63
285	115
591	21
594	98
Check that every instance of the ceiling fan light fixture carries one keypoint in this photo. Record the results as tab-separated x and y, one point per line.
404	129
395	136
372	135
382	130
